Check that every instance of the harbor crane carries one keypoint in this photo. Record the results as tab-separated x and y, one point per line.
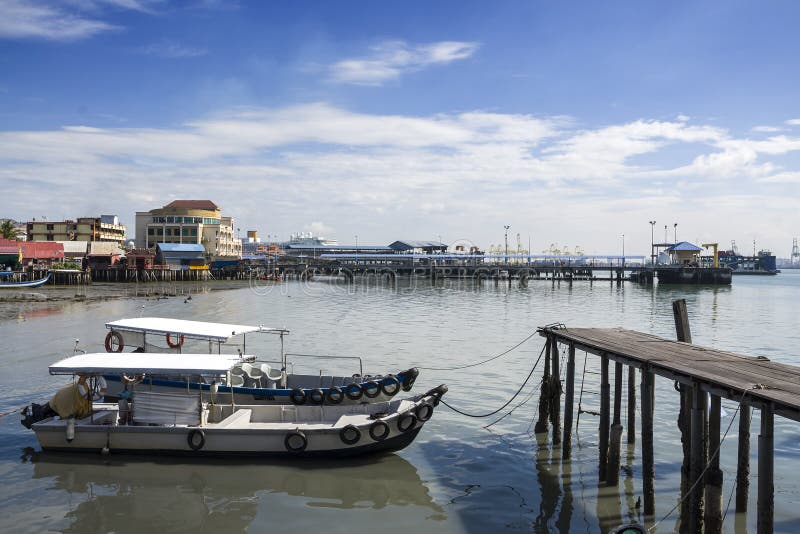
716	254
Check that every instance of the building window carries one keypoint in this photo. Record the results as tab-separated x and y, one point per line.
151	231
194	232
185	230
50	227
159	231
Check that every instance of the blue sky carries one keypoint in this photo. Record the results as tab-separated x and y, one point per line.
574	122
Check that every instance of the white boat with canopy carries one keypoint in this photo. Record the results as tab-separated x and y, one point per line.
260	381
156	422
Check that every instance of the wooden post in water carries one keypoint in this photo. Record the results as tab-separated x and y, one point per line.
605	405
631	404
743	464
569	401
648	471
713	475
699	457
612	475
766	470
684	334
555	393
544	396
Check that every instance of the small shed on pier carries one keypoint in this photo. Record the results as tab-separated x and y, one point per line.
684	253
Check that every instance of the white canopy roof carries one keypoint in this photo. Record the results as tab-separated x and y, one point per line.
147	362
191	329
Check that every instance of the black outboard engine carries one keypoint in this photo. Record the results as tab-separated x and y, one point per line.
35	413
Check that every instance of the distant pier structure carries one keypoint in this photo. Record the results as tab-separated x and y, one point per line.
503	268
702	376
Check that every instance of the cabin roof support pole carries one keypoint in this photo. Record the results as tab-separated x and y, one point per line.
569	401
766	470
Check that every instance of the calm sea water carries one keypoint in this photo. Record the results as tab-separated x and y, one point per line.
457	476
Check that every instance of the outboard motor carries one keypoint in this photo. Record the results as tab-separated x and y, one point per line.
35	413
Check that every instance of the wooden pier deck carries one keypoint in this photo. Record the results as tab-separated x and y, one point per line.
721	373
703	376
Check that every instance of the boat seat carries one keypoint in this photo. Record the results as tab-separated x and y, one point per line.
238	419
237	380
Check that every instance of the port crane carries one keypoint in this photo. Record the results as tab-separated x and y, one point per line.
716	254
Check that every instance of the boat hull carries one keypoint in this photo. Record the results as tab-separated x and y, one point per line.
256	430
23	285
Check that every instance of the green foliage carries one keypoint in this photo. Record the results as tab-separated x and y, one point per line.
8	230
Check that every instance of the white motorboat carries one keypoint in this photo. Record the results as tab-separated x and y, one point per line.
258	382
178	423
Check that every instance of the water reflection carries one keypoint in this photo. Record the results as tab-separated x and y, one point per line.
127	494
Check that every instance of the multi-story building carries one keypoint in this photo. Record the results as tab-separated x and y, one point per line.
103	228
190	222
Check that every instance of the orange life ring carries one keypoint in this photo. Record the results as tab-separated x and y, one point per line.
174	345
115	336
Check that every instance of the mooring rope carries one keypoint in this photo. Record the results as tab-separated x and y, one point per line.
509	400
735	482
481	362
703	472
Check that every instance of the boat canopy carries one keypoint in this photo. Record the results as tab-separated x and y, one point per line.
192	329
150	363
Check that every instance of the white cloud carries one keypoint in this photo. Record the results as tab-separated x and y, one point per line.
766	129
24	19
390	59
793	122
390	175
171	50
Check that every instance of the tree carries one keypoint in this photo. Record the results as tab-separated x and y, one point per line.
8	230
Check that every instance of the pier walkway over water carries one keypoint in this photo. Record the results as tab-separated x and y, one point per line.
703	376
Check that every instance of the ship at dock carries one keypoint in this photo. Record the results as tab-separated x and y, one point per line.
762	263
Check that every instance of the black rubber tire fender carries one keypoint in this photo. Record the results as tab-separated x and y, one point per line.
191	439
424	411
298	396
406	422
334	395
390	386
379	430
316	396
371	389
353	391
353	431
293	436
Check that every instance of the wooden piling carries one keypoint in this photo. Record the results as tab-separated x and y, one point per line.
544	395
631	404
614	452
743	463
605	405
648	471
713	476
681	316
555	393
766	470
569	400
699	457
684	334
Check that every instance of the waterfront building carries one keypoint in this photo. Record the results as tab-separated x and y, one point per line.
189	222
684	253
181	256
419	247
102	228
40	255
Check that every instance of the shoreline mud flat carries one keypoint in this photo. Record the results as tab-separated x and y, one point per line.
17	304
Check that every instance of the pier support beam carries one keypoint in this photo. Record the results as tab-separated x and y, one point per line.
555	393
569	401
615	443
544	395
699	457
743	463
605	405
631	404
648	471
713	475
766	470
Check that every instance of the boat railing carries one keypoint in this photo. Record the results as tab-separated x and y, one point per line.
332	357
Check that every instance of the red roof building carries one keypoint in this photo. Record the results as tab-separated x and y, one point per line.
193	205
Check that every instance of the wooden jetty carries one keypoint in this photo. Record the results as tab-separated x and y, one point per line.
754	382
